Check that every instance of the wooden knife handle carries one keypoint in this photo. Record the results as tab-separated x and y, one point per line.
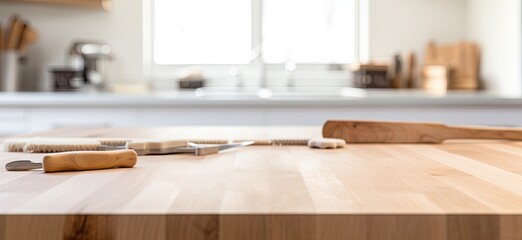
15	33
89	160
411	132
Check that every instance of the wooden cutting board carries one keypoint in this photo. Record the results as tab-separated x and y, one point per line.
463	60
455	190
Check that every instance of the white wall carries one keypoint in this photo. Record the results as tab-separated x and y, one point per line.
58	26
395	25
406	25
497	27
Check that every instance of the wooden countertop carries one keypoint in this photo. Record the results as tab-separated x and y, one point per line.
455	190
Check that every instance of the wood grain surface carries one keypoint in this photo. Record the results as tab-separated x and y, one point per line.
89	160
412	132
455	190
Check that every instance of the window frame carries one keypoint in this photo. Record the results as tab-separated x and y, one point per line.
336	72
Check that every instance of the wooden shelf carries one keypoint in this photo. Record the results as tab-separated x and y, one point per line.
101	4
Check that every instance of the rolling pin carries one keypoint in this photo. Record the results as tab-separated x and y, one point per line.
410	132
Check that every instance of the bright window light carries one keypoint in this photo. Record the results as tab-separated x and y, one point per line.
202	32
197	32
309	31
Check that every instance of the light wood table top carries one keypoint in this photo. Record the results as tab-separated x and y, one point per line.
455	190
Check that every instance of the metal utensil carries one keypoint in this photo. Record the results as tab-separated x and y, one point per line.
22	165
196	149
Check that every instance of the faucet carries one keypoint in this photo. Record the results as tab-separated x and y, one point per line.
235	73
264	91
290	68
258	57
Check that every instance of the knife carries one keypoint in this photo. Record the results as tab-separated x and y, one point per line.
78	161
168	147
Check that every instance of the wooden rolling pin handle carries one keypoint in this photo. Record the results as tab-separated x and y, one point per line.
484	133
89	160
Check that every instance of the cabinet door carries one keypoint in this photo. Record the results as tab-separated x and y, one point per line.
11	121
453	115
54	118
199	116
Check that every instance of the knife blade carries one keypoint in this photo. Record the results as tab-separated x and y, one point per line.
169	147
234	145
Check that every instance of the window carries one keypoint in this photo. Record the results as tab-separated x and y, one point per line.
214	34
309	31
202	32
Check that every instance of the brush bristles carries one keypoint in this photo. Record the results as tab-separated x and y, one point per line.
209	141
289	142
13	145
49	145
273	142
113	142
53	148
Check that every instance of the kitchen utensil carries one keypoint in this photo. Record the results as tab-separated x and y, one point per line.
410	132
28	37
59	144
257	142
147	147
15	33
9	70
19	37
410	78
397	77
168	147
78	161
50	145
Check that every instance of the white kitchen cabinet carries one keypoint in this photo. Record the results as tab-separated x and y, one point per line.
200	116
32	112
41	119
494	116
11	121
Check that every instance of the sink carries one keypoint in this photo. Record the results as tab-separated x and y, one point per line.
277	93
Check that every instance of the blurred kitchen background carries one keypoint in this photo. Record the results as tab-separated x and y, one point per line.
116	63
